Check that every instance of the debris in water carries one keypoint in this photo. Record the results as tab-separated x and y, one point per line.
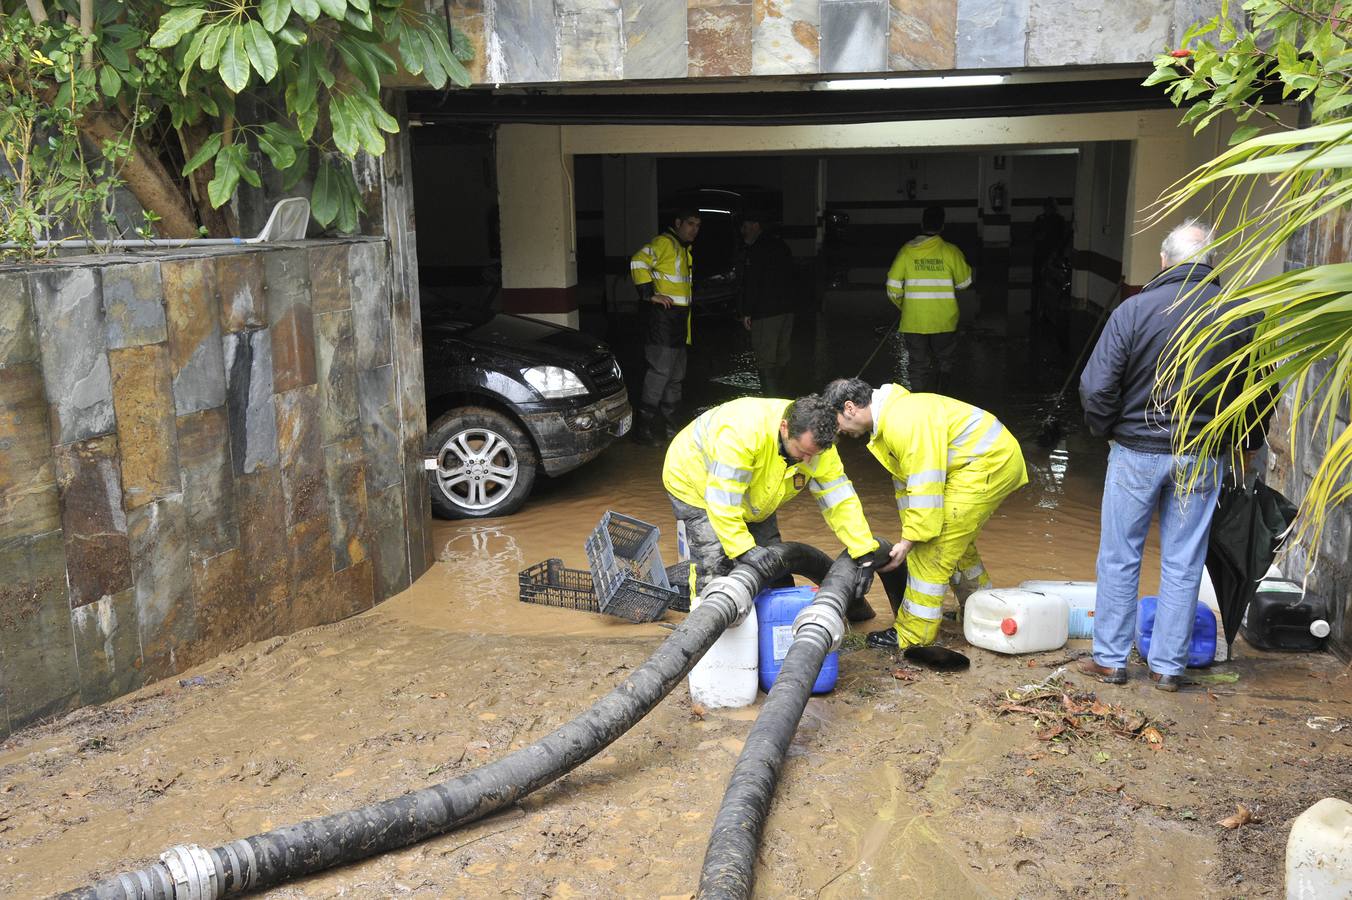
906	673
1063	714
1243	816
1325	723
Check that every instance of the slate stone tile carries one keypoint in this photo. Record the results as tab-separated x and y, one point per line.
249	402
591	40
301	455
922	35
335	357
854	36
158	534
389	542
330	282
992	33
95	526
18	332
524	43
1085	32
417	509
786	37
28	501
472	25
194	334
37	656
655	39
293	341
143	397
108	647
345	476
354	589
409	379
312	597
264	545
70	321
379	427
720	40
222	603
133	304
370	303
244	300
208	482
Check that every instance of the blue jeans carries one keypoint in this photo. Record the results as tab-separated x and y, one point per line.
1138	484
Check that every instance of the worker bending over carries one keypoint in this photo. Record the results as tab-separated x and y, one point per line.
951	464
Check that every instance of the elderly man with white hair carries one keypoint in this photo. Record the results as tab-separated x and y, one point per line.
1124	402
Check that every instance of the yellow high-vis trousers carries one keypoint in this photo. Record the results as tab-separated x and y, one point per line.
949	558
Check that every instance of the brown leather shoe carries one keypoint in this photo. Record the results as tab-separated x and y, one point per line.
1170	683
1087	666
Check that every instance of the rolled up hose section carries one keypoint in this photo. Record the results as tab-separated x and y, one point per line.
191	872
819	628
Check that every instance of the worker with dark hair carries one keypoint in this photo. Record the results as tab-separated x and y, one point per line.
767	301
923	283
663	272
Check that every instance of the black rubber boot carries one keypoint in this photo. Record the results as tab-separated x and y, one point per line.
883	640
648	429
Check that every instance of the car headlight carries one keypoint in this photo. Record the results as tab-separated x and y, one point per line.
553	382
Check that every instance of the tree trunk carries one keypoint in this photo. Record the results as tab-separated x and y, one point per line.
146	177
219	223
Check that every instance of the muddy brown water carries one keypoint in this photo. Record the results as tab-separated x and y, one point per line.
894	786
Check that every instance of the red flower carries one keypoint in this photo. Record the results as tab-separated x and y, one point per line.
1180	54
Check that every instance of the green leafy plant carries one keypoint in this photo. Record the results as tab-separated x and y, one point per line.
1274	182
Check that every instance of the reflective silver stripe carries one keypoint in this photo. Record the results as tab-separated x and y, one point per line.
900	488
987	439
922	612
842	493
929	476
822	487
930	282
637	265
920	586
727	498
722	470
903	503
892	282
968	427
929	295
679	279
974	572
679	301
924	501
963	284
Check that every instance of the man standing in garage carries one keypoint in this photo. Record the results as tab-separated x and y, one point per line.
767	301
923	283
663	272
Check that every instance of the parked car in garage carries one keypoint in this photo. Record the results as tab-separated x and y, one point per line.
507	398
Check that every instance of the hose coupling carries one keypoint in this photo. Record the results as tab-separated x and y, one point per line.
824	616
193	871
739	588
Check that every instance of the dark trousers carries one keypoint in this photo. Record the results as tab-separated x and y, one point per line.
931	359
707	559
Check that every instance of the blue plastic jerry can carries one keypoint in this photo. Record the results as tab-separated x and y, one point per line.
1202	645
775	611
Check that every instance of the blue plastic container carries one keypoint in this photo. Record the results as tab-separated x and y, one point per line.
1201	648
775	610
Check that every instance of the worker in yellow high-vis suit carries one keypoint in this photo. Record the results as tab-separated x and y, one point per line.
728	471
923	283
951	464
663	271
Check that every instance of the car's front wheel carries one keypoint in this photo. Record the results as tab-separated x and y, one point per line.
485	464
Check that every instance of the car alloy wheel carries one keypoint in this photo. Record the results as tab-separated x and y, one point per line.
477	469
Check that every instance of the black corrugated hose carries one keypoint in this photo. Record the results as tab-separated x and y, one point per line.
730	858
190	872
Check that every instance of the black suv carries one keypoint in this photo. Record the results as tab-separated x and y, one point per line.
506	396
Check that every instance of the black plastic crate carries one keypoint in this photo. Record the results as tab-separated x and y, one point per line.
550	583
627	572
678	576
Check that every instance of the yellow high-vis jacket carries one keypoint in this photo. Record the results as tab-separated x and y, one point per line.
923	283
937	447
727	462
666	263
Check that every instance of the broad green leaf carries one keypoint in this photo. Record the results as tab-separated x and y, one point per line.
333	8
293	36
461	47
222	187
344	128
234	67
324	196
359	20
306	120
274	14
306	9
362	6
281	155
109	82
297	170
359	64
382	119
210	147
175	24
1243	134
213	45
349	201
262	53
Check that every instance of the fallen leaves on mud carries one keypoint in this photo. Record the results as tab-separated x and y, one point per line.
1064	714
1243	816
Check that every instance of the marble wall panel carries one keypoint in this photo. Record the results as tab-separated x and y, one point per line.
222	603
1087	32
194	334
249	404
244	299
108	647
28	501
785	37
312	600
143	397
287	274
301	454
720	39
330	284
264	544
208	482
133	304
992	33
854	35
336	362
524	44
158	534
370	303
97	558
69	312
591	40
386	508
379	427
18	332
922	35
37	656
345	475
655	39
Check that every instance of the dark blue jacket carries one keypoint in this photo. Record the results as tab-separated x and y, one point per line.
1118	384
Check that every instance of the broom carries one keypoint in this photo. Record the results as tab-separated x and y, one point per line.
1052	424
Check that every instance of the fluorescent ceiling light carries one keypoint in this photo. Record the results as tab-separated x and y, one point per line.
726	212
873	84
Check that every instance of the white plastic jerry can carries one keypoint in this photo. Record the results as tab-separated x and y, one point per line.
1319	852
1011	620
727	675
1080	595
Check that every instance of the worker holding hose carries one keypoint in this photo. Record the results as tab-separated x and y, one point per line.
728	471
951	465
